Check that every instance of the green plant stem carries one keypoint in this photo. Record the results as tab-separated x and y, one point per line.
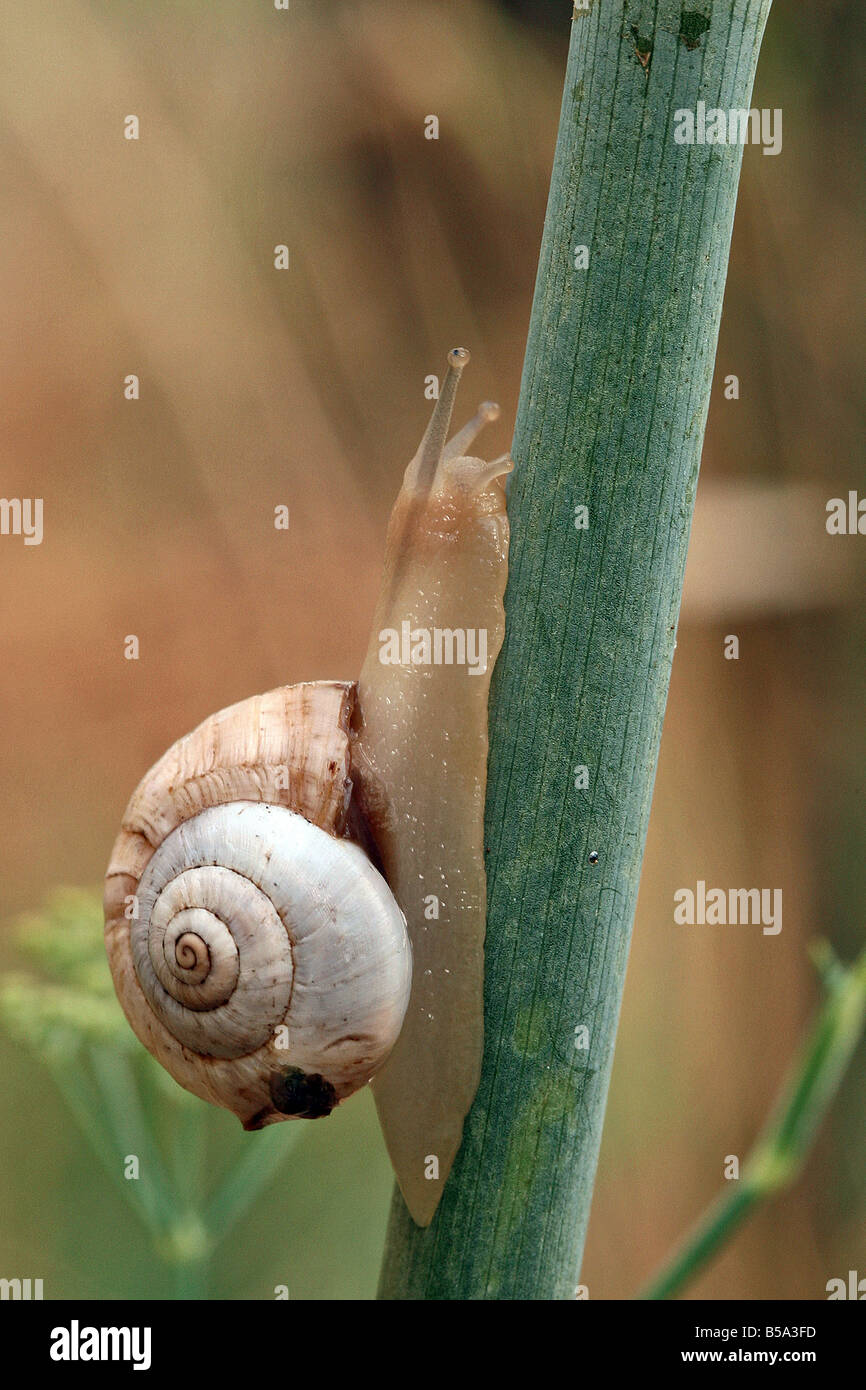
719	1224
118	1088
785	1140
613	404
256	1167
190	1245
191	1278
189	1151
94	1123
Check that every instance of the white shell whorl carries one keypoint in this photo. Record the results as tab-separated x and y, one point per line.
289	916
248	916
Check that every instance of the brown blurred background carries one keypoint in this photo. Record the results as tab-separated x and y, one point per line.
306	387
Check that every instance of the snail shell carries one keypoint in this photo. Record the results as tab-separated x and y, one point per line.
256	948
257	951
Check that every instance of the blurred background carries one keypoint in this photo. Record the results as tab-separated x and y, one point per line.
305	387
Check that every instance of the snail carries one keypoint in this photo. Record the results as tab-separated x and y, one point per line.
295	903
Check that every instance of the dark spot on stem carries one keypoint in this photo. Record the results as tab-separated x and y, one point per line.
693	25
643	47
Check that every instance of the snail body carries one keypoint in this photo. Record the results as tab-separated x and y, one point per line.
278	867
421	755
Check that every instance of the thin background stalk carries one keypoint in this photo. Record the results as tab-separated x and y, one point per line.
781	1149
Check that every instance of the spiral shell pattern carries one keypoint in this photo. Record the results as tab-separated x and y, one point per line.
215	943
211	950
250	940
